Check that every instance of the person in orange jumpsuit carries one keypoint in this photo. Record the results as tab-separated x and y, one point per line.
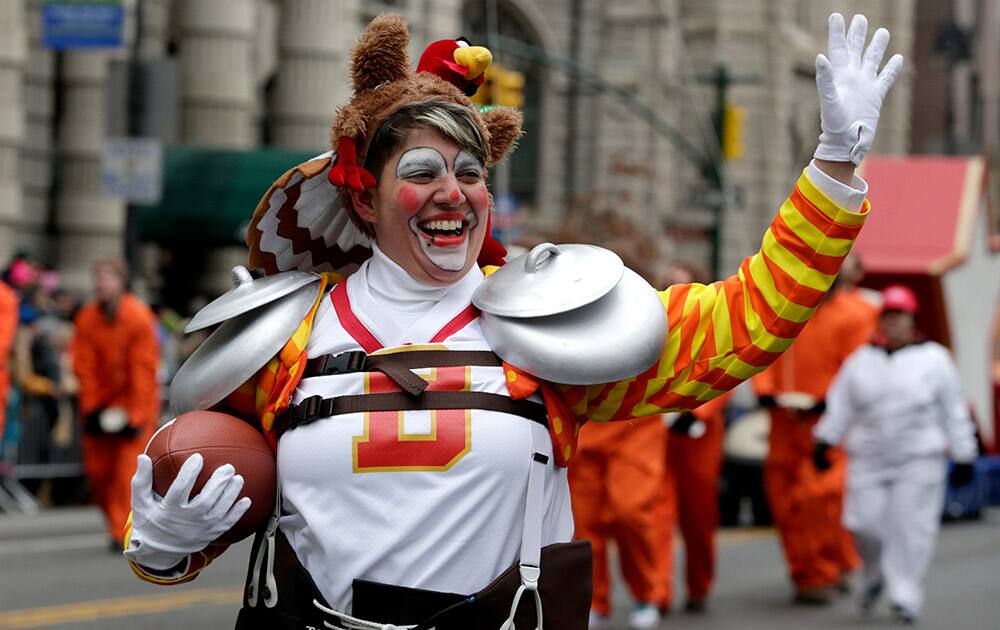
614	482
8	329
806	505
689	498
115	357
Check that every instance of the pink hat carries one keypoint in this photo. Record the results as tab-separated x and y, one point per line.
22	273
897	297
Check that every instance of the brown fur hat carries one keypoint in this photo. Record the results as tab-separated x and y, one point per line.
384	82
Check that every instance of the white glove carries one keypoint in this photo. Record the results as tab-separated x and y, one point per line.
851	89
165	531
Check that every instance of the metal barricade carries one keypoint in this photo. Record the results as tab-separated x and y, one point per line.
44	443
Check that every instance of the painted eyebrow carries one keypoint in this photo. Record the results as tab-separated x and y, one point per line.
465	160
421	158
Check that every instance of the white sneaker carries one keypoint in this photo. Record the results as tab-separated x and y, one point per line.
599	621
644	617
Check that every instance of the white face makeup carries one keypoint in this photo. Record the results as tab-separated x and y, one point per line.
421	162
437	237
430	207
467	165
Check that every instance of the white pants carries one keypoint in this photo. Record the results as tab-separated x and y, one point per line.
894	513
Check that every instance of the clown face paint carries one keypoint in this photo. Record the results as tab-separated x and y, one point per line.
430	208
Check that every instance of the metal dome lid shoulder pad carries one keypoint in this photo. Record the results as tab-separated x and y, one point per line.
237	349
615	337
549	280
248	294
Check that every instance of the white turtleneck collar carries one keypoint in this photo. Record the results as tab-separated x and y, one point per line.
402	300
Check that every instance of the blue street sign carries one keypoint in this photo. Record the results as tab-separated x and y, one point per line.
67	25
132	169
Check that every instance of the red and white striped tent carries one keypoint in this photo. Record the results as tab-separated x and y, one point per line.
933	229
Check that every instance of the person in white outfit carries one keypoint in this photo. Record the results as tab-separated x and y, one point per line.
898	407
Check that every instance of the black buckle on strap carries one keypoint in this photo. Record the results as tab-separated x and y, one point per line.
343	363
309	410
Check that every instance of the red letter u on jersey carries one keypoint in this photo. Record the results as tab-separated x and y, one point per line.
386	447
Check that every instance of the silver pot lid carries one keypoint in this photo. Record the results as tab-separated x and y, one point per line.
248	294
615	337
236	350
549	280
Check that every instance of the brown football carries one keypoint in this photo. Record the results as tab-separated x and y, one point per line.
221	439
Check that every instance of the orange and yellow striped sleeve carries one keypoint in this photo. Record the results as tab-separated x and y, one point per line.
723	333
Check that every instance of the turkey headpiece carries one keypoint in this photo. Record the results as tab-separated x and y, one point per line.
306	220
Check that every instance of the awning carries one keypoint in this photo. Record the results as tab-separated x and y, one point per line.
209	195
923	212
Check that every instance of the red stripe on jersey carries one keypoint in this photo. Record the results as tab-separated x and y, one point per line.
737	315
791	241
688	336
773	323
599	399
717	378
458	323
572	395
818	218
350	322
637	390
789	286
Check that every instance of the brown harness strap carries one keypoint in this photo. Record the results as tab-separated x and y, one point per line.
399	365
316	408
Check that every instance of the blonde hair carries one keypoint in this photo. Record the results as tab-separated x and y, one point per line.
453	121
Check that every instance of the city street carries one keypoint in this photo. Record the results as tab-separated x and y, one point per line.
499	265
57	572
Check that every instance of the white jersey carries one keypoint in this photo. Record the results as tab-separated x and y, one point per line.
430	500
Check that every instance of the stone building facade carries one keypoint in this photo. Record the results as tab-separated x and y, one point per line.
607	82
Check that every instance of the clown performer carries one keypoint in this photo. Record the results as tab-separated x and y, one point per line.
425	408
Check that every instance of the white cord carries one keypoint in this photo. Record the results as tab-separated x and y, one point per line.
353	623
509	624
270	585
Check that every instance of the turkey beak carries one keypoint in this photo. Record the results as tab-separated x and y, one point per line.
475	58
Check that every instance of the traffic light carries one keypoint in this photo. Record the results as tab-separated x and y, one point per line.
482	97
733	122
502	87
508	88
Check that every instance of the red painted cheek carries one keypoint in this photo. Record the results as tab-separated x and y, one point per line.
480	197
408	199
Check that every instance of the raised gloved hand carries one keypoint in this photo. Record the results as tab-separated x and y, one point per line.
167	530
851	90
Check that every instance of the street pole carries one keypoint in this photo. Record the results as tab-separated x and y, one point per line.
717	172
136	98
572	102
501	173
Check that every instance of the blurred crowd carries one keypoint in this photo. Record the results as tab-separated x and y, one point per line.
41	432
